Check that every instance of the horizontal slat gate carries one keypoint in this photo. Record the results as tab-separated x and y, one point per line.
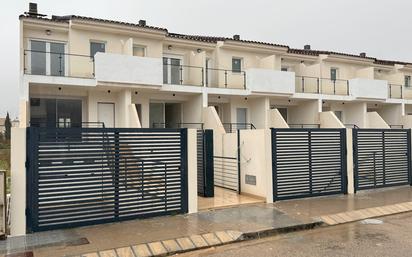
226	172
205	183
308	162
83	176
381	158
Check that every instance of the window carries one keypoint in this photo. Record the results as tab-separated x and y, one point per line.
333	73
45	112
284	69
97	47
171	71
139	51
47	58
236	65
407	81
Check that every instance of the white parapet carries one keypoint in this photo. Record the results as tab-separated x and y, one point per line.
368	88
270	81
128	69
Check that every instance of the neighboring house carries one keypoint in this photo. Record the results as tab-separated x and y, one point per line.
78	69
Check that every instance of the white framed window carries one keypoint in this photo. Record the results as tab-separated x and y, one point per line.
172	70
139	50
334	73
407	81
46	58
236	64
97	46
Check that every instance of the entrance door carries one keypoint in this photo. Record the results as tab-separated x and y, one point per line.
173	114
241	117
106	114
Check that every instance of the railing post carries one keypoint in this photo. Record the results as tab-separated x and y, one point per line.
60	64
334	87
207	77
318	84
303	84
181	75
401	92
347	87
225	78
244	80
24	62
203	77
93	66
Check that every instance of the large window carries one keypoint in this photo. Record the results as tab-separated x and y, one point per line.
47	58
97	47
236	64
172	71
46	112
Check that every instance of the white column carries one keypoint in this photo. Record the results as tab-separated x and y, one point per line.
192	170
268	166
18	181
349	164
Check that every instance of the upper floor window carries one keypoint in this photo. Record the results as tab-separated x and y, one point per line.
97	47
407	81
172	71
236	64
334	73
47	58
139	50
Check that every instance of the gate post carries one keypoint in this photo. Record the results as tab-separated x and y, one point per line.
349	159
18	181
409	156
190	143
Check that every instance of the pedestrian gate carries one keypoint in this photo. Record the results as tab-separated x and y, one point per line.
381	157
308	162
85	176
205	184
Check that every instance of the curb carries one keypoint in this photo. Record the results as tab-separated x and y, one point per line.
357	215
195	242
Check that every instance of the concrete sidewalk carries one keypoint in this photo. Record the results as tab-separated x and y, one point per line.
215	227
174	234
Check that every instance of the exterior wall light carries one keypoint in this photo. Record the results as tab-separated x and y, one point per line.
199	50
169	47
108	91
48	32
174	94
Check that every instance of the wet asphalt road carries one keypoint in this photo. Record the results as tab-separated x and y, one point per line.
392	238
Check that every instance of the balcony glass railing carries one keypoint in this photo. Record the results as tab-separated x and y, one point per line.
326	86
183	75
225	78
395	91
58	64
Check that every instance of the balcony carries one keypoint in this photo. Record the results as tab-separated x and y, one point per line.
270	81
58	64
119	68
222	78
315	85
182	75
369	88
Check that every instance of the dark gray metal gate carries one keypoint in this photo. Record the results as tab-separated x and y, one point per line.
308	162
84	176
382	157
205	183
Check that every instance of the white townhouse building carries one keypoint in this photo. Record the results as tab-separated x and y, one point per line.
77	69
102	104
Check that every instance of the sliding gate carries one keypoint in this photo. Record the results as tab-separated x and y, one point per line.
308	162
85	176
381	157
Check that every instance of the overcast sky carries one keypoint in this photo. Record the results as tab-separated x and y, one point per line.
381	28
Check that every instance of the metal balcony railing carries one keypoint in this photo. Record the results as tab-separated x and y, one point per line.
315	85
233	127
225	78
303	125
183	75
67	124
192	125
58	64
395	126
